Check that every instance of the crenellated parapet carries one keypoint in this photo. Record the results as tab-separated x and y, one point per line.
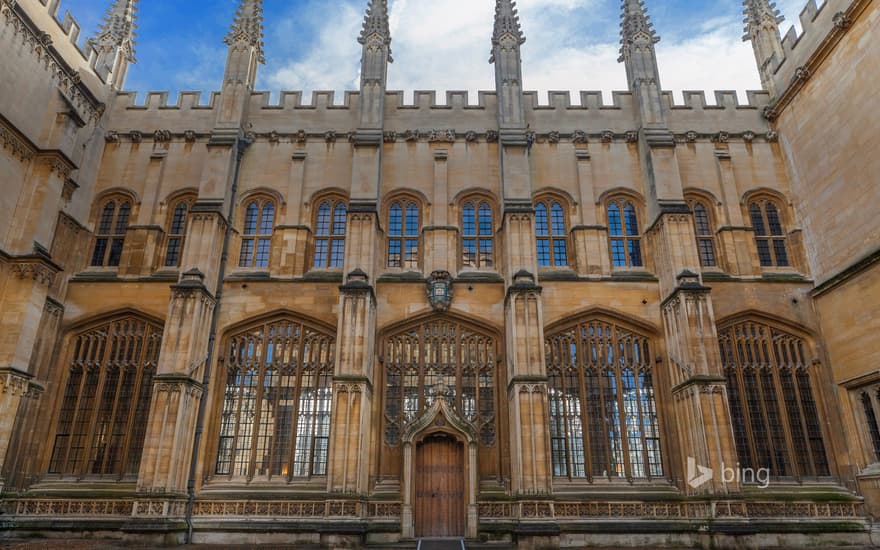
822	27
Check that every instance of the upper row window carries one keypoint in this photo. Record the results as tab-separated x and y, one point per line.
330	234
477	245
403	235
111	233
551	234
769	234
623	229
259	222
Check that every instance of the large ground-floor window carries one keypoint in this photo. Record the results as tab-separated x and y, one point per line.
106	402
772	406
275	419
603	414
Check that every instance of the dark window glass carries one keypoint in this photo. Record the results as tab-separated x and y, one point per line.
476	222
110	237
256	242
330	229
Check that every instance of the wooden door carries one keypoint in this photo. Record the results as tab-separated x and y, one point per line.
439	483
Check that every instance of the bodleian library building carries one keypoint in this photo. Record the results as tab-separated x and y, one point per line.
362	321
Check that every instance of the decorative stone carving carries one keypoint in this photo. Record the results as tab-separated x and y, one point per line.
13	383
300	136
769	112
135	136
772	136
189	136
444	136
802	74
579	137
390	136
553	137
748	136
842	21
68	189
439	289
162	136
607	136
491	136
411	135
691	137
17	146
632	136
111	137
721	137
274	137
36	271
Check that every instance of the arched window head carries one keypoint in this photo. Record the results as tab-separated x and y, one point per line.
551	234
404	228
275	420
330	229
106	401
603	411
177	231
477	245
769	233
772	405
256	242
440	354
704	232
624	236
110	236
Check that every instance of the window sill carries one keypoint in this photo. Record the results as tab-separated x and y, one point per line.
661	487
326	275
559	273
628	274
401	276
471	275
267	487
243	274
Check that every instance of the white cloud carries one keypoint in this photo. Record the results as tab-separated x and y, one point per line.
444	44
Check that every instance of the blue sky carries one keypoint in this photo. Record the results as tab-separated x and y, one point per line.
438	44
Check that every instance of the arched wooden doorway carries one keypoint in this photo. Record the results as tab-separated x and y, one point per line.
439	487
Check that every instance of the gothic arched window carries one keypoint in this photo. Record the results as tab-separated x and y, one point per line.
440	355
404	227
769	233
704	233
177	232
275	421
623	231
603	411
772	405
110	236
256	241
330	226
106	402
477	245
551	234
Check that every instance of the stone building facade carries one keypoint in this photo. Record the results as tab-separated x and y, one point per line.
362	323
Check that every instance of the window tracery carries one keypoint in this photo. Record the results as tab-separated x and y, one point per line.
330	229
772	404
551	233
256	242
110	234
103	417
603	411
770	235
404	229
275	419
624	235
477	229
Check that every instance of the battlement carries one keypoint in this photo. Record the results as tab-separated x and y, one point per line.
818	23
71	29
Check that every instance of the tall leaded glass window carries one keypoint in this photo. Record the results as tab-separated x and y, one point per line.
275	420
704	233
772	404
477	229
769	234
551	234
446	355
177	232
867	399
330	234
623	231
110	234
603	411
256	242
404	226
106	402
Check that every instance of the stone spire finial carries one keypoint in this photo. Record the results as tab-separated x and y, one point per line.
635	27
376	24
248	26
118	29
760	14
507	22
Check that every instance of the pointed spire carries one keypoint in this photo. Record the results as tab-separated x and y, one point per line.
248	26
760	14
376	23
118	29
635	26
507	22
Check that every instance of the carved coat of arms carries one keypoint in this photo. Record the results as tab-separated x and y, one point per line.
440	290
